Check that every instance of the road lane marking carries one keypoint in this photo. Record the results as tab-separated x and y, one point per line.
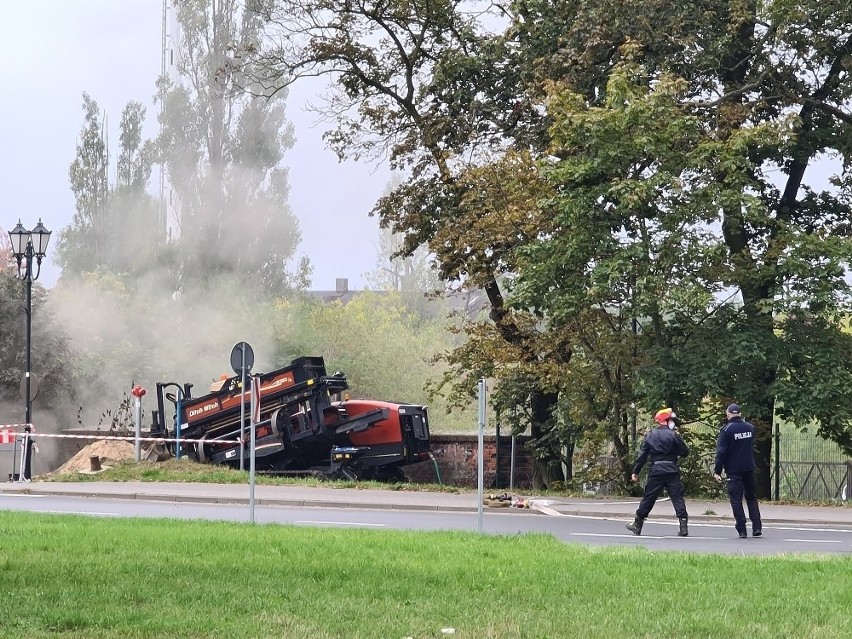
78	512
577	534
817	541
315	522
804	527
808	528
637	537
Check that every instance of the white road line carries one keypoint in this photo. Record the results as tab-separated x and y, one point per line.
547	510
637	537
2	494
576	534
622	517
809	529
817	541
77	512
314	522
549	502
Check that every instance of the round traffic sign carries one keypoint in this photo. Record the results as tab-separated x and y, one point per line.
34	386
242	358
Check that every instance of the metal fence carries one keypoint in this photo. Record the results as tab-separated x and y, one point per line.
808	468
805	467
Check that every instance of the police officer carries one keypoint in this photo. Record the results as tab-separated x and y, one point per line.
662	446
735	453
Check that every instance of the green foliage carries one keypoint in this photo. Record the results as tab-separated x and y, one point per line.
386	352
646	174
426	85
697	467
816	375
51	354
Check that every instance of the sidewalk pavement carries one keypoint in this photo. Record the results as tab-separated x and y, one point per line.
346	497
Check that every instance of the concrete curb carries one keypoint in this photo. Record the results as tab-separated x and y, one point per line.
264	501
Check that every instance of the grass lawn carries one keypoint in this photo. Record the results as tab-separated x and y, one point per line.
185	470
97	578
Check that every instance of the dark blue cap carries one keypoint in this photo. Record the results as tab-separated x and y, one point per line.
733	409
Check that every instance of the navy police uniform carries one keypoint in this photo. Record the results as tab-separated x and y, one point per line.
735	453
662	447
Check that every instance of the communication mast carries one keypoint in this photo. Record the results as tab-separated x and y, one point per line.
169	56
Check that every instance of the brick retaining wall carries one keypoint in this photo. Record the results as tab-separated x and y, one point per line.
456	457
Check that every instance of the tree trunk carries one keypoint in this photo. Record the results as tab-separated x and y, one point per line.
543	406
762	422
569	462
622	452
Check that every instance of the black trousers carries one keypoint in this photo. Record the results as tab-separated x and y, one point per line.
671	482
740	486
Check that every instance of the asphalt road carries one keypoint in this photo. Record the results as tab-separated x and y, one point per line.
590	530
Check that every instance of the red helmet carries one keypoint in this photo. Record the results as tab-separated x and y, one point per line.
664	415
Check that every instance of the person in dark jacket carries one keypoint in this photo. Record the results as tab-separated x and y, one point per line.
663	447
735	453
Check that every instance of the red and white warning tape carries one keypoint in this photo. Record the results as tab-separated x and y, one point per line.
130	438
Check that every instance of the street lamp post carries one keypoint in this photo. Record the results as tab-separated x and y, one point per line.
26	247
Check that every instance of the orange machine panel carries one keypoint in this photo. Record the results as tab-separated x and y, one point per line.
387	431
277	383
204	407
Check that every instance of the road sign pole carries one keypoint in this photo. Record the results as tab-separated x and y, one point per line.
243	406
242	360
480	458
255	412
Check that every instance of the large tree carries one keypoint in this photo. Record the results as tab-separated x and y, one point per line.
610	174
115	226
82	245
708	161
135	225
409	84
223	140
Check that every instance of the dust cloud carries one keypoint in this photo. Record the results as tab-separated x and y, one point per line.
151	334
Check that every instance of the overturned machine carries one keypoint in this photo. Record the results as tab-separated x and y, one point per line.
307	425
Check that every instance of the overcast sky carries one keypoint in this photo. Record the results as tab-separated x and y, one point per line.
54	50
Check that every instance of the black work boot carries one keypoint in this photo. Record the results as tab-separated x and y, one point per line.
636	526
684	531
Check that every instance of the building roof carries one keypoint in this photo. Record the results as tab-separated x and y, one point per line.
470	303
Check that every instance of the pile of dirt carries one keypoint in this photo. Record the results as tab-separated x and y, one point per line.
108	451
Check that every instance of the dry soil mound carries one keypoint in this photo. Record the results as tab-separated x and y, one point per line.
107	450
